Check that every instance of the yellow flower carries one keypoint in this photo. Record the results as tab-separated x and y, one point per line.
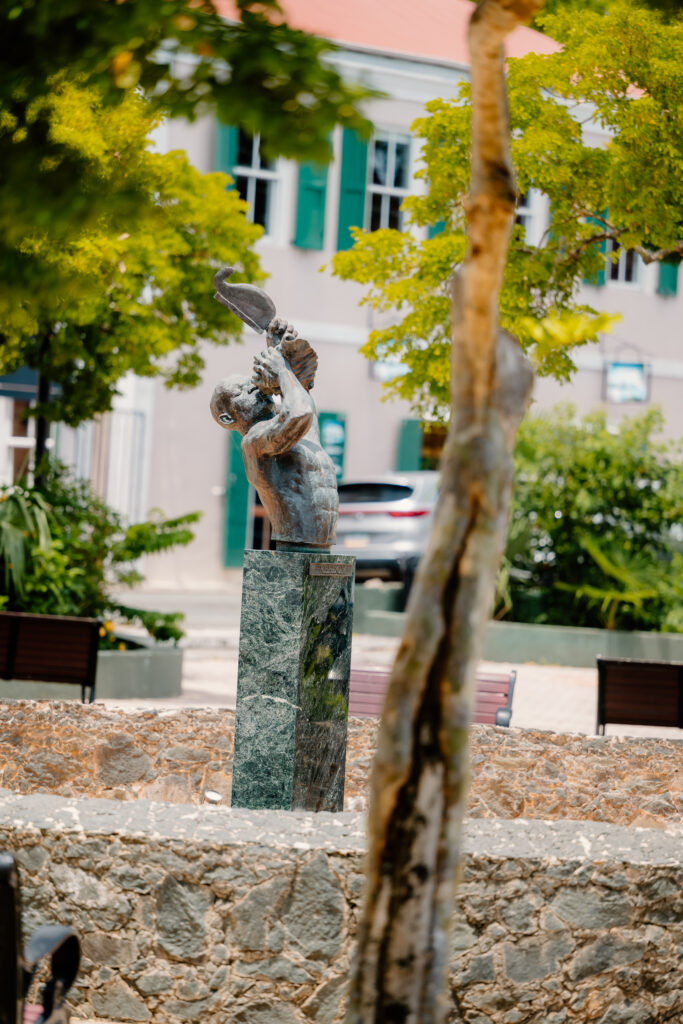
103	631
109	626
122	647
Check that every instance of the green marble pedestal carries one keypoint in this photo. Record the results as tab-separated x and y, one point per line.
293	680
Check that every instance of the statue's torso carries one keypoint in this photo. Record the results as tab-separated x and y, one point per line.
298	490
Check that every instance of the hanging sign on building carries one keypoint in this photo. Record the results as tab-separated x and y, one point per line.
627	382
333	438
22	385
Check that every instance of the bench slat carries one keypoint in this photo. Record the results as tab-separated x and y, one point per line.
49	648
636	692
368	686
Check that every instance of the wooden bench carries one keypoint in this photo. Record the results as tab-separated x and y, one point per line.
50	649
633	692
17	965
492	706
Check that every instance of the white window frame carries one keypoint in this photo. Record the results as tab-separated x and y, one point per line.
11	443
391	138
533	214
524	212
620	267
254	173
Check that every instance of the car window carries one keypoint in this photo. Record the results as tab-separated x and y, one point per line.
351	493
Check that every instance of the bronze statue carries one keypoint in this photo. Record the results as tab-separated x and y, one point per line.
283	458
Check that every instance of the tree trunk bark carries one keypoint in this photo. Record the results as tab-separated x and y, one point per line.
420	773
42	430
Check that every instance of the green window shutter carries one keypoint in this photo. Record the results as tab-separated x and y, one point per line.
354	170
310	208
225	156
409	454
436	229
601	276
236	504
667	283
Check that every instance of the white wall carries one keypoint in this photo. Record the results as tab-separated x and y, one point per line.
5	434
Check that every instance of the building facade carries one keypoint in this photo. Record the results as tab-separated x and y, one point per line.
162	449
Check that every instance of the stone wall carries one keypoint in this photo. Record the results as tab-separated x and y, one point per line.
174	756
226	916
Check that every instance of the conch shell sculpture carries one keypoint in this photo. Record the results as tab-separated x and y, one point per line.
257	310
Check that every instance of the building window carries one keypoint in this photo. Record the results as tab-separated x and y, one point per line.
524	214
255	179
625	269
389	175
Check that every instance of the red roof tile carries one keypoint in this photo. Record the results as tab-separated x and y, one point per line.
435	29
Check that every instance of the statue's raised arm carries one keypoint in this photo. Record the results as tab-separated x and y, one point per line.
283	458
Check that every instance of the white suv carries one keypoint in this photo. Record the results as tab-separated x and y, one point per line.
385	522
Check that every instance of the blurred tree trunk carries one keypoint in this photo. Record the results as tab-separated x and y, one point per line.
420	774
42	423
42	431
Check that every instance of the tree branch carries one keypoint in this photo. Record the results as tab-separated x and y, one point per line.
611	232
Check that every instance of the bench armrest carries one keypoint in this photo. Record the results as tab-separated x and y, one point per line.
503	716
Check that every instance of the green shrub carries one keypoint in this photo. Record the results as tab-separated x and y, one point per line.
64	551
596	525
23	527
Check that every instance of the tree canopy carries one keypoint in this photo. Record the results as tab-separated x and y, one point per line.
668	8
255	71
126	293
617	72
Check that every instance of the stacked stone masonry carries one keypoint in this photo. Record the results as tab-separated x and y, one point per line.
175	756
191	912
248	917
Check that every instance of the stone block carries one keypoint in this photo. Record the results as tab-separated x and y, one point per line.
118	1001
315	914
324	1005
293	681
180	913
108	950
628	1013
592	909
120	762
535	959
252	917
610	950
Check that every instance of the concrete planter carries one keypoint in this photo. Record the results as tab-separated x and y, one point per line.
519	642
567	645
153	670
371	602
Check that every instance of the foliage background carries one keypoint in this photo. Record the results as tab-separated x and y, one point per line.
127	293
628	190
63	551
254	70
596	534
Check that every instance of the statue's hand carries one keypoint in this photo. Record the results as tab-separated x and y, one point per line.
268	366
279	330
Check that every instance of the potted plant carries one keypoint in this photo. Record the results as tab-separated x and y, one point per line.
64	551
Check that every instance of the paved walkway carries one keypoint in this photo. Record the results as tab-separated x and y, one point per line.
554	697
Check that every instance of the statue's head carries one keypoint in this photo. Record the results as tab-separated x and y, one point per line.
236	404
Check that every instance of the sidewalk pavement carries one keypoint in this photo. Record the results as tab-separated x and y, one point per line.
552	697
